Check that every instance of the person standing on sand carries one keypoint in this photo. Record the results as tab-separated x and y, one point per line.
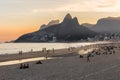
31	50
20	55
45	52
53	50
20	52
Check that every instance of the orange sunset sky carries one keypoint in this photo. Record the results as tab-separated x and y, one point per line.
18	17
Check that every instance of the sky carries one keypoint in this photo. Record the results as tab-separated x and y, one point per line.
18	17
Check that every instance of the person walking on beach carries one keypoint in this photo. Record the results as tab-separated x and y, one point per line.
88	57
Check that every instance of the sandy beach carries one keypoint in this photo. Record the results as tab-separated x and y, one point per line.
68	67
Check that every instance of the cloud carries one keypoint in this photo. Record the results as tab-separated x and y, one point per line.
107	3
109	6
91	5
38	6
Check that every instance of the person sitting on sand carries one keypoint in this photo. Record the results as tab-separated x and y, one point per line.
24	66
81	56
27	66
39	62
21	66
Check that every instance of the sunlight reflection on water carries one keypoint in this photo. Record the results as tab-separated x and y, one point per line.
86	51
13	62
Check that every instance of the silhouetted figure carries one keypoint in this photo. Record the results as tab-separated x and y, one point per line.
110	52
45	52
48	51
81	56
31	50
42	50
21	66
27	65
88	57
53	50
113	51
39	62
69	49
24	66
20	52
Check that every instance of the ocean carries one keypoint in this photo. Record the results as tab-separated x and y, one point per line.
14	48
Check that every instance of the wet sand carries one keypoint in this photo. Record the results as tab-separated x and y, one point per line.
35	54
69	67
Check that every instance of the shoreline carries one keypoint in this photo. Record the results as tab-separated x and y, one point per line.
34	54
15	50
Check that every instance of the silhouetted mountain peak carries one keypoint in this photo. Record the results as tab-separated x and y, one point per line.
75	20
67	17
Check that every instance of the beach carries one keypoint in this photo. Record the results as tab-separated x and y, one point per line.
65	66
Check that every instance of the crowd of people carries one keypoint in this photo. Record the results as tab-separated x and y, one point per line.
104	50
24	66
101	50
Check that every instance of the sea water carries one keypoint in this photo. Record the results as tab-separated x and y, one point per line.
13	48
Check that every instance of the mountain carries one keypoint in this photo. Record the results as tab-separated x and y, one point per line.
68	30
107	25
88	25
53	22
